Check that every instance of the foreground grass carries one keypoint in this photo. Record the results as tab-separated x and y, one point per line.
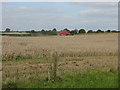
88	79
73	72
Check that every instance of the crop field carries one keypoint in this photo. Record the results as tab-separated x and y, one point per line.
78	61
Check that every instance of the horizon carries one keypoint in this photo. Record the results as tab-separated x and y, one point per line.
58	30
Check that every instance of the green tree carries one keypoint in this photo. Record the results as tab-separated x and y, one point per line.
7	30
114	31
66	29
75	31
32	31
27	31
43	31
54	29
99	31
108	31
90	31
82	31
72	32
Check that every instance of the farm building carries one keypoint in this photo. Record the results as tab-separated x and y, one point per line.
64	33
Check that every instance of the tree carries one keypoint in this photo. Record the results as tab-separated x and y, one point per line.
43	31
66	29
54	32
90	31
54	29
108	31
7	30
32	31
114	31
27	31
82	31
75	31
72	32
99	31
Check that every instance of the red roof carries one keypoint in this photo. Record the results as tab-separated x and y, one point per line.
64	33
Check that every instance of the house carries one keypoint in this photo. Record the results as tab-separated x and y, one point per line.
64	33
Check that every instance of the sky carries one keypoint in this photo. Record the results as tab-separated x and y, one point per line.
48	15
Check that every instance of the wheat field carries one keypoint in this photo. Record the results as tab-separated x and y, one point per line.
79	45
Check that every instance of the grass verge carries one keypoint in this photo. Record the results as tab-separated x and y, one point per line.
88	79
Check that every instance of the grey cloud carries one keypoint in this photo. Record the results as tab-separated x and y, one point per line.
26	18
104	5
100	13
28	10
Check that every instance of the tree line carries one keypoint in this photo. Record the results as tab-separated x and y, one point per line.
72	32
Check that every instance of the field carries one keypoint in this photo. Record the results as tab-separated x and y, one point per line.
79	61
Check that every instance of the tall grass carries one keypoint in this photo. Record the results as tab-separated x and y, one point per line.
54	66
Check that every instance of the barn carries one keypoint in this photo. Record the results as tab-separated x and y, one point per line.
64	33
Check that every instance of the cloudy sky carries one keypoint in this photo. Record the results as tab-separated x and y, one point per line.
60	15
